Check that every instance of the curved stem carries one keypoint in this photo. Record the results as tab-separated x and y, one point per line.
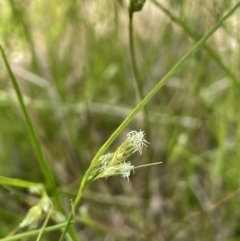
33	233
194	36
161	83
149	96
35	141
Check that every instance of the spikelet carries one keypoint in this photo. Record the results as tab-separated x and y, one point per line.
113	164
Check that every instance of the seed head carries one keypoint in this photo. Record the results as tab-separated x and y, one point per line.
113	164
134	142
123	169
33	215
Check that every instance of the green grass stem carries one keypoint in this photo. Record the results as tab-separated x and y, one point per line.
33	233
139	107
17	182
139	84
35	141
195	37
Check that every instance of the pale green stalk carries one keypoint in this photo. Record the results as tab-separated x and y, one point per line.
43	228
35	141
147	165
18	182
195	37
139	83
150	95
33	233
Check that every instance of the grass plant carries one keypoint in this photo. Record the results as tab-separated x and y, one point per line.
80	102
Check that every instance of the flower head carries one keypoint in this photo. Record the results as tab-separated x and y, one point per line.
113	164
100	166
136	139
134	142
123	169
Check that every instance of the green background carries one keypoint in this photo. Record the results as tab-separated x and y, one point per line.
72	62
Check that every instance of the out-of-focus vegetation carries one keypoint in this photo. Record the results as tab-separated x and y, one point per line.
73	64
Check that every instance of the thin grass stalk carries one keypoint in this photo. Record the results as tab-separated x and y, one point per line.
17	182
76	202
161	83
33	233
149	96
139	84
213	207
24	22
44	225
196	38
36	142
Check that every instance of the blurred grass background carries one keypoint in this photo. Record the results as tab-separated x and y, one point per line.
72	62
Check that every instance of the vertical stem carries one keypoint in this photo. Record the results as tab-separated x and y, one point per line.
76	202
139	84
